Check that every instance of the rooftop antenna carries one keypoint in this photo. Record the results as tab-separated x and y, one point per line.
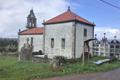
19	30
31	10
68	8
95	35
43	20
104	35
115	37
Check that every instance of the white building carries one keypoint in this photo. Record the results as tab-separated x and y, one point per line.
34	36
102	47
115	47
107	47
63	35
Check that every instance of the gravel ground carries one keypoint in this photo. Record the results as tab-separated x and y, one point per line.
111	75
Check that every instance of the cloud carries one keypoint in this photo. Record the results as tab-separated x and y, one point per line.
13	13
110	32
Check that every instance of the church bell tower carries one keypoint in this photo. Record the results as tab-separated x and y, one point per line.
31	20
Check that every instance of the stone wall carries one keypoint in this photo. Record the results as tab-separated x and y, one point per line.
59	31
37	42
80	38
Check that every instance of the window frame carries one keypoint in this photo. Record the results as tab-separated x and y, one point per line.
85	32
63	43
52	42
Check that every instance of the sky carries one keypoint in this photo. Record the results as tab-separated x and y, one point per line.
13	14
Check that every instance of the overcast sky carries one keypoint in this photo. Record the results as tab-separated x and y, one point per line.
13	14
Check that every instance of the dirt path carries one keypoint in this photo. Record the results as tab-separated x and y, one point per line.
111	75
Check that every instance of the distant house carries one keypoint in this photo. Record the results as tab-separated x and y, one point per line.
102	47
106	47
115	47
63	35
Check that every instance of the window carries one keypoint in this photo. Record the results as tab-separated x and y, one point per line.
52	42
96	53
111	46
117	46
63	43
97	45
97	49
85	32
31	40
112	50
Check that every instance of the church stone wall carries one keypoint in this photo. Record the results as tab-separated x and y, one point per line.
37	41
80	38
59	31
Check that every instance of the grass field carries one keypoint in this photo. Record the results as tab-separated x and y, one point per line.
11	69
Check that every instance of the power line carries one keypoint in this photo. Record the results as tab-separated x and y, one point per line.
110	4
118	1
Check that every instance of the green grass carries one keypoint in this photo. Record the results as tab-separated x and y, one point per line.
11	69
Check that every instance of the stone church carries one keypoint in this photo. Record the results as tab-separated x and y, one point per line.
63	35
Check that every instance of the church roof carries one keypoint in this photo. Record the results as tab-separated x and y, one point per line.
32	31
68	16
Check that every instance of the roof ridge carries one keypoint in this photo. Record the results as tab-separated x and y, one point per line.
81	17
68	16
37	30
58	15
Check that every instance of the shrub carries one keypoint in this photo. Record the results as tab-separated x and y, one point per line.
61	60
57	62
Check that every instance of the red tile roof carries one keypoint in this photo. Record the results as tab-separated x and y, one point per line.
32	31
68	16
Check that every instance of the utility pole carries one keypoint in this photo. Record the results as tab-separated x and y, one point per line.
83	58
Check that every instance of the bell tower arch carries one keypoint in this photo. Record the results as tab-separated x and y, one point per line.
31	20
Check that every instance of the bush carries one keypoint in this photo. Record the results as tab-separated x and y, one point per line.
57	62
61	60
